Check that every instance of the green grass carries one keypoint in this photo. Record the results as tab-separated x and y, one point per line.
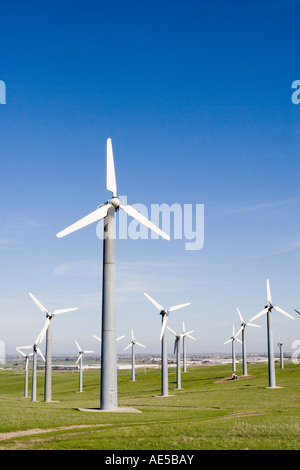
239	414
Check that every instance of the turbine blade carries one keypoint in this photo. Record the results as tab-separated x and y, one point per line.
283	312
259	314
79	348
64	310
143	220
187	333
164	324
21	352
78	358
183	327
226	342
97	338
26	347
128	346
252	324
111	184
172	331
192	337
156	304
269	297
140	344
240	315
132	337
238	340
98	214
176	307
88	352
239	331
41	354
40	337
120	337
38	303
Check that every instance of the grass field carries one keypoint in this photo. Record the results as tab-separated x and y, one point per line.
203	415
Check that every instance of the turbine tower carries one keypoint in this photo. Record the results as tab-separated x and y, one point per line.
232	340
26	369
108	391
183	346
81	352
132	344
242	329
164	358
177	352
47	330
267	310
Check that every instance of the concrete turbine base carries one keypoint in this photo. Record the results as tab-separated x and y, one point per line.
116	410
162	396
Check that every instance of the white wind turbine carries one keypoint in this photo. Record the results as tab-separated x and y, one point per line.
35	350
27	356
232	340
177	352
183	346
164	358
132	344
47	330
280	344
242	329
267	310
108	392
81	352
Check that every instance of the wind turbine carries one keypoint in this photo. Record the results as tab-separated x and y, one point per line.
81	352
132	344
164	358
280	344
232	340
177	352
26	369
183	346
47	330
267	310
242	329
35	350
108	392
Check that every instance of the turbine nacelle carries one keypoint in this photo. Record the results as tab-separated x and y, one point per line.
115	202
164	312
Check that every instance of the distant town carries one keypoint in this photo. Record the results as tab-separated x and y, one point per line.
67	362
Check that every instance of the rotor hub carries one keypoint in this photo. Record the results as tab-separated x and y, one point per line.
115	202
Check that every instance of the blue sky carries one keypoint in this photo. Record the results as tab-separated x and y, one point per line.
196	97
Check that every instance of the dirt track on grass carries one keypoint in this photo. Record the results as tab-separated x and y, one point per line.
30	432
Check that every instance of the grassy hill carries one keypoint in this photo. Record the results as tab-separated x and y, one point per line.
205	414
